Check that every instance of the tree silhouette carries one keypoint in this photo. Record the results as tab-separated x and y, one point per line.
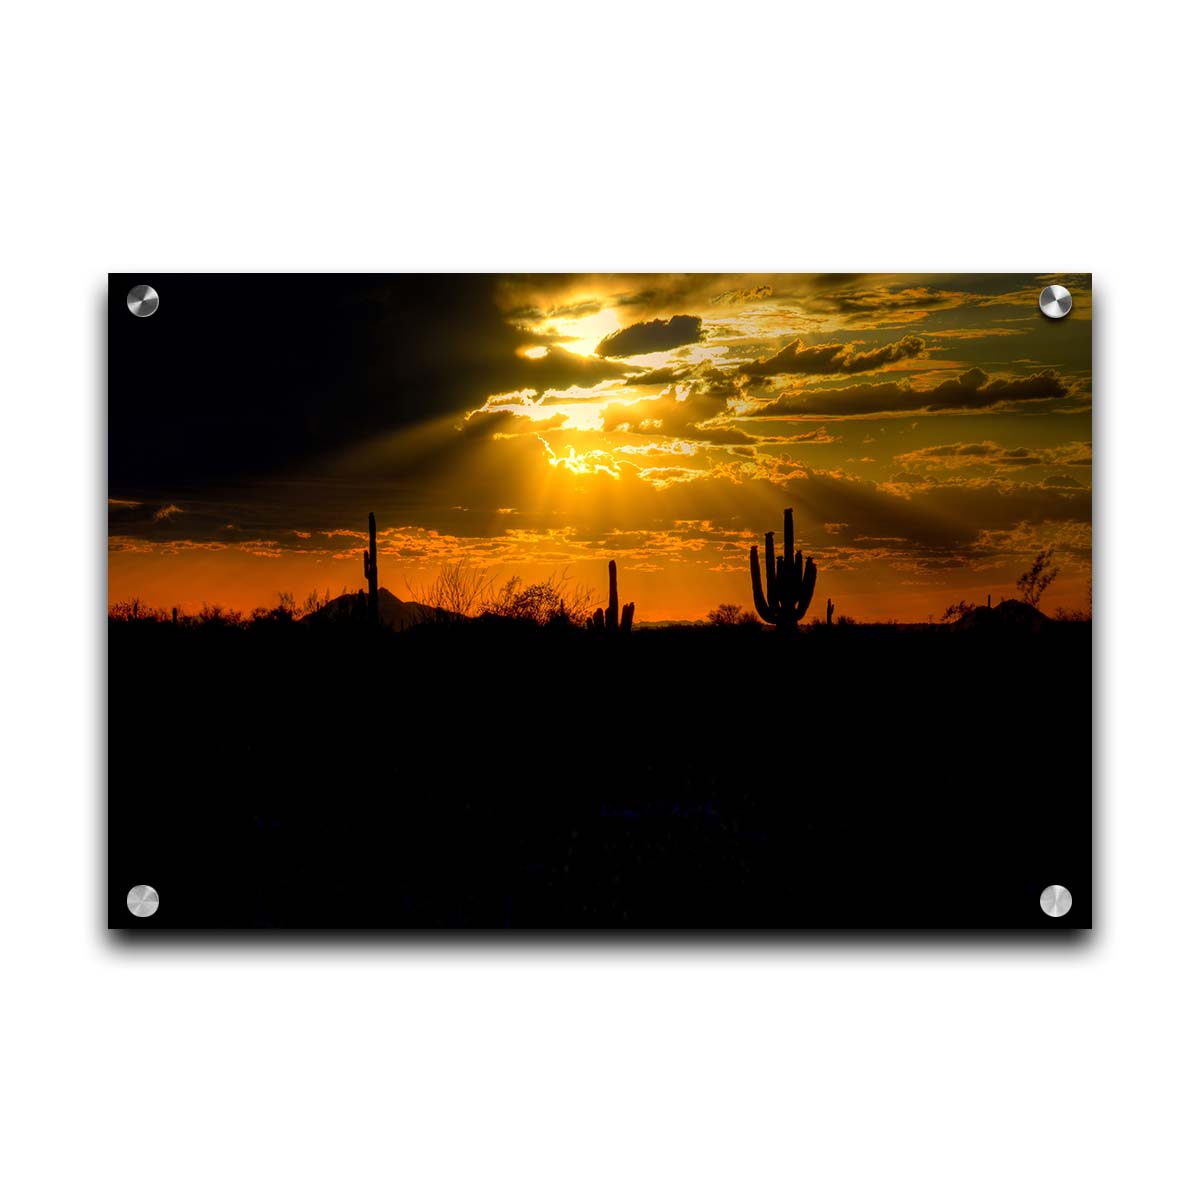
1033	584
731	614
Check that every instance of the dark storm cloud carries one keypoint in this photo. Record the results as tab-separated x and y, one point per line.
971	390
557	369
200	520
834	358
646	337
210	390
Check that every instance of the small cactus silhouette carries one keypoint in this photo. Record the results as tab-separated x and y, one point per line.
790	581
828	612
371	573
607	620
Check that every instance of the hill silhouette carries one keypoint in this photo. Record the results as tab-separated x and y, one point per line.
394	613
1008	616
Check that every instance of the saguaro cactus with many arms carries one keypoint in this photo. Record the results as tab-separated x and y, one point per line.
606	620
790	582
371	572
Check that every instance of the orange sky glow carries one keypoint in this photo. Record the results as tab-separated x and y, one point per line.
931	434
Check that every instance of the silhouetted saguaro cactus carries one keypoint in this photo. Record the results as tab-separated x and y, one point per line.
607	620
790	581
828	612
371	572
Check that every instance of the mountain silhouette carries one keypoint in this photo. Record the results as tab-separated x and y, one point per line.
1013	615
394	613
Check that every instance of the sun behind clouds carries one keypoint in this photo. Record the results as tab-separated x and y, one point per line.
930	433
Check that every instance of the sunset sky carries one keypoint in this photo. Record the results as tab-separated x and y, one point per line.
932	433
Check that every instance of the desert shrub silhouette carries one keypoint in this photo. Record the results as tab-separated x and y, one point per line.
459	592
1033	584
726	615
551	601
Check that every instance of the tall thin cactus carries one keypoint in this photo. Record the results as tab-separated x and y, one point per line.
790	582
607	620
828	612
371	573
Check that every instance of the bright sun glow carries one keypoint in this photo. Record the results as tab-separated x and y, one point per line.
533	351
581	335
591	462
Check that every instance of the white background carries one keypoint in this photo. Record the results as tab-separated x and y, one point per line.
1048	136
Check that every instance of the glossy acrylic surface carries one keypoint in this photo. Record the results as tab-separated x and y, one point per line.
444	602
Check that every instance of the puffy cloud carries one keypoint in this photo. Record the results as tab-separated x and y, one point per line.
742	295
958	454
659	377
681	412
647	337
834	358
888	304
974	389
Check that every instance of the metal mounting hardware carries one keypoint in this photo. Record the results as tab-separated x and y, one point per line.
142	300
1056	901
1055	301
142	900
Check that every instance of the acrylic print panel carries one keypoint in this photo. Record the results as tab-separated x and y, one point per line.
596	601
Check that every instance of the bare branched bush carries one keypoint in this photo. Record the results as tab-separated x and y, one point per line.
216	615
552	600
1072	614
957	610
459	590
314	602
1038	578
462	590
134	610
284	613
